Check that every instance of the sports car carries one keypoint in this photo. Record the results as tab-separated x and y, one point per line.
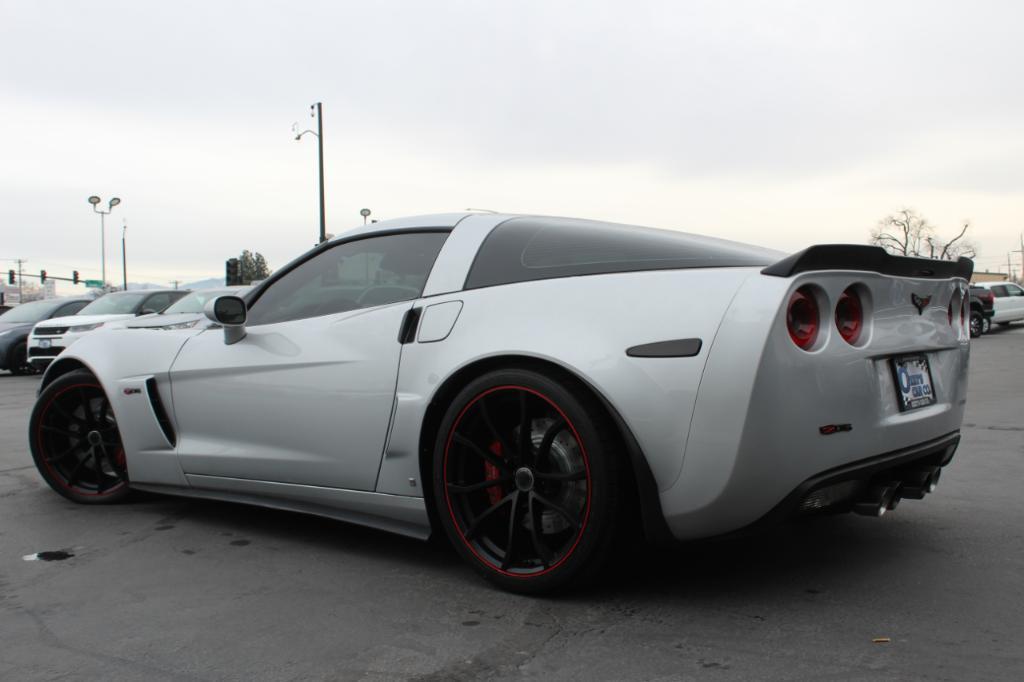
536	389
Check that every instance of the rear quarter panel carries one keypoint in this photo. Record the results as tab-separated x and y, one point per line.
584	324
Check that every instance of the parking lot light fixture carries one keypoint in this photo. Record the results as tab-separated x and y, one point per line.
95	201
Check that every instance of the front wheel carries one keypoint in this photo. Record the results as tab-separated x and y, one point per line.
75	441
18	362
986	326
526	480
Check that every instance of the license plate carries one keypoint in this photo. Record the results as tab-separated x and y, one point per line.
913	382
44	343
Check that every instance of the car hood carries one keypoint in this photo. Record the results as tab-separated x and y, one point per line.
149	321
7	326
79	320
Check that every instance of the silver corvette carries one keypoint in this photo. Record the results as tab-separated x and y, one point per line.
534	388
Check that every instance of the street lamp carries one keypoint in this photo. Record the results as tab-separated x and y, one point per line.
365	213
316	111
124	255
95	201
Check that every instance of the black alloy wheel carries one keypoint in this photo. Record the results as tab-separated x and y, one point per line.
977	325
523	480
75	441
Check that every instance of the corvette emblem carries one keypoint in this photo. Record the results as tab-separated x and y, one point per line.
920	303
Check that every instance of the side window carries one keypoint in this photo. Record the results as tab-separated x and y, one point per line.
359	274
999	292
1014	290
526	249
156	303
69	308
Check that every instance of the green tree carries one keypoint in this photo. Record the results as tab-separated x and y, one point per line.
252	266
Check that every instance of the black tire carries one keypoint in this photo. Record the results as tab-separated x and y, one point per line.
17	361
977	324
75	443
549	520
986	325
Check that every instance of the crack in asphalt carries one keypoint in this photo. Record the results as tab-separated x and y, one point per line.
50	638
507	656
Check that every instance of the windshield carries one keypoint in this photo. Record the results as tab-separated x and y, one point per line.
28	312
114	304
194	302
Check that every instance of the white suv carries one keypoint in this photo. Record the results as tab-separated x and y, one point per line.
1009	301
51	337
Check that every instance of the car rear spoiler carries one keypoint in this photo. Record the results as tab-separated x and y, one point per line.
869	258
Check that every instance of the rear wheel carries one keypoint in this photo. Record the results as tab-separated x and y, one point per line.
526	480
986	326
977	324
75	441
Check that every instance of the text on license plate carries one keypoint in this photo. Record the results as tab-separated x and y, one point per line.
913	382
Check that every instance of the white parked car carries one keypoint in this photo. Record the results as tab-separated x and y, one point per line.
185	313
1009	301
50	338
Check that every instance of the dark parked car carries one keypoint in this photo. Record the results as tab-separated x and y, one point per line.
16	323
982	310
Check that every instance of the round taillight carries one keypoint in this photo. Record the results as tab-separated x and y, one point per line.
802	318
850	316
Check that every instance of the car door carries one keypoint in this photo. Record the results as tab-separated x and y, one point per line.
1014	301
307	396
1001	303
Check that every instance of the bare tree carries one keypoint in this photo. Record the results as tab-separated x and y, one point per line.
908	233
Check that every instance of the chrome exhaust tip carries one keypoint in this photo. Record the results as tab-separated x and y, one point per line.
878	499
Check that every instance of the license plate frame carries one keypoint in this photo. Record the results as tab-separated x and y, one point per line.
918	393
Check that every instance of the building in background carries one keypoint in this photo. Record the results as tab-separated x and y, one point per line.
989	276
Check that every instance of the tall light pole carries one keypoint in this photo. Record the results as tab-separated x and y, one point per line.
365	213
124	255
95	200
316	111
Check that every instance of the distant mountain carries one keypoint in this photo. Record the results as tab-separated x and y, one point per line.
201	284
205	283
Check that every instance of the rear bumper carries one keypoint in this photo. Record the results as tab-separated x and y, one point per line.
890	465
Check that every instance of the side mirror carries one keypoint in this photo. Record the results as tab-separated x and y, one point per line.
145	311
229	312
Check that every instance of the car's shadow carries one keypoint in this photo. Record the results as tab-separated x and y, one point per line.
795	557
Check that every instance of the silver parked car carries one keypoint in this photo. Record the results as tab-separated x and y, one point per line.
530	386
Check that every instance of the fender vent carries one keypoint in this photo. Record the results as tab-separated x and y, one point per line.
160	413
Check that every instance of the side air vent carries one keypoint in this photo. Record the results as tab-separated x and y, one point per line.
159	412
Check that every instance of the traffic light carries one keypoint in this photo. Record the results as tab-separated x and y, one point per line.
10	276
42	276
74	277
232	276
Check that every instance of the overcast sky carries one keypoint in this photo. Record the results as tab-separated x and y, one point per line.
777	123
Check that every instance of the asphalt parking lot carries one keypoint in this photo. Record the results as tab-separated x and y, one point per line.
174	589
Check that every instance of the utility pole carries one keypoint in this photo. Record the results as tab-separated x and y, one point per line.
317	111
175	282
1021	252
124	255
21	262
320	144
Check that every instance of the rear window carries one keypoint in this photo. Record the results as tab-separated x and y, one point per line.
525	249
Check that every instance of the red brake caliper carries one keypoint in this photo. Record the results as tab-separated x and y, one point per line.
491	473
